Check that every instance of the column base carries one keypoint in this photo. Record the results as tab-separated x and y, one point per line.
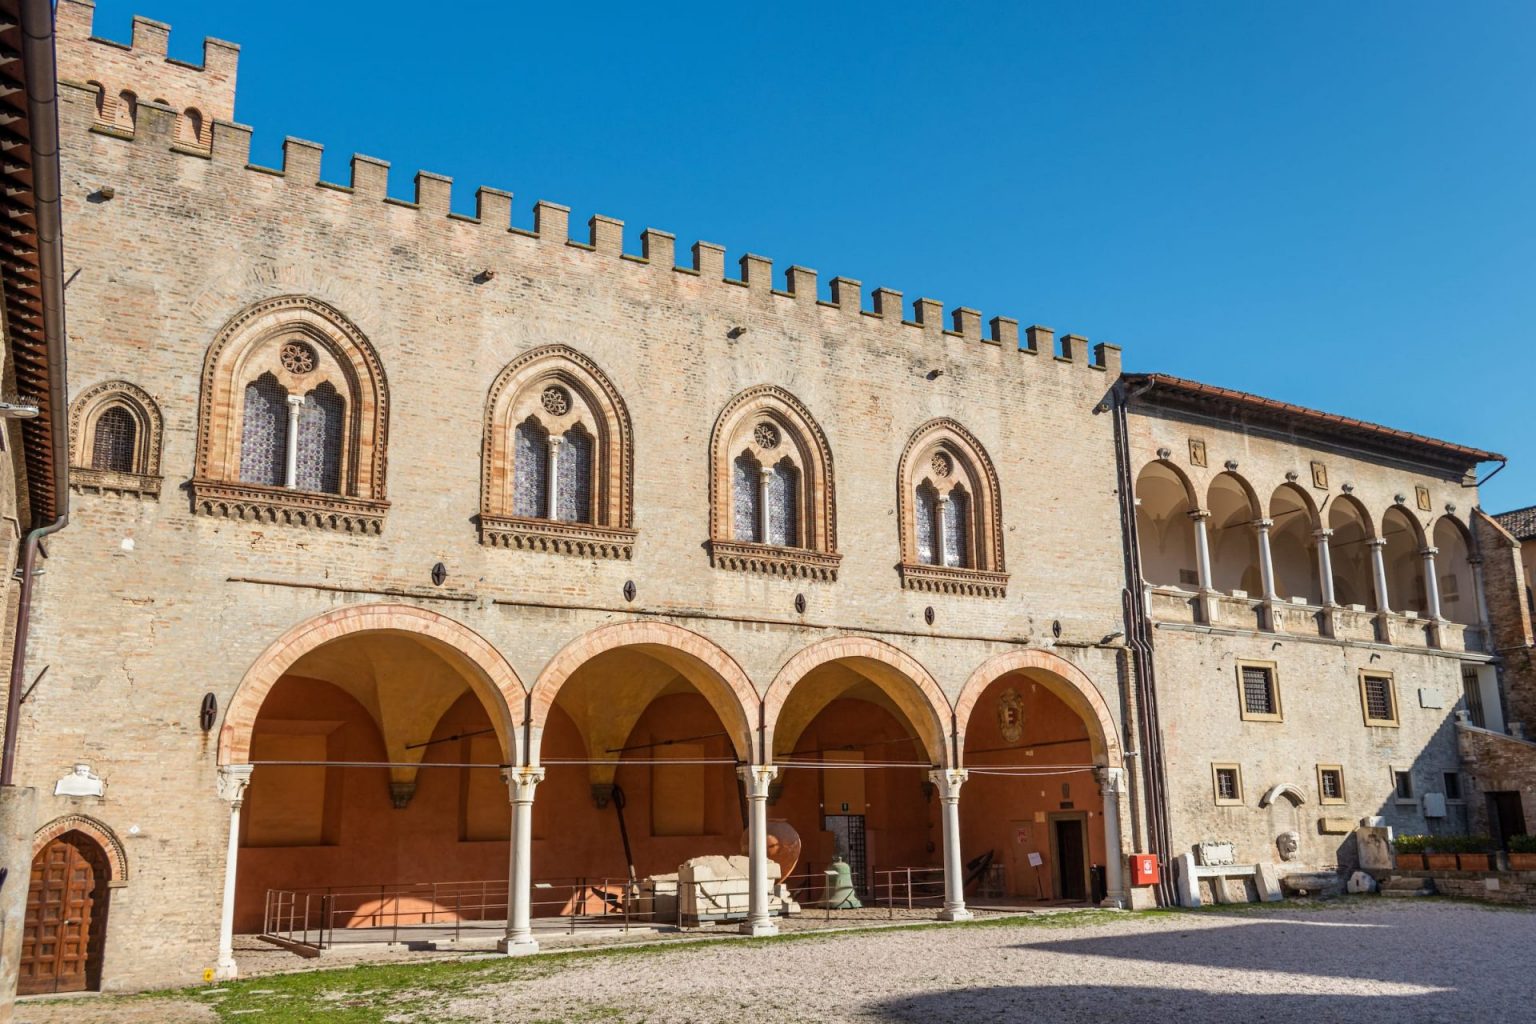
759	929
955	914
226	970
518	947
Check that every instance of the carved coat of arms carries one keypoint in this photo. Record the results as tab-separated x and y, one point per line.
1010	715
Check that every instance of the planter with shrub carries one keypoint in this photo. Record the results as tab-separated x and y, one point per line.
1522	853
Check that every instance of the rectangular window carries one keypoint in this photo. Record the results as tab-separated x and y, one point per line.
1378	700
1453	785
1402	784
1258	692
1330	783
1227	783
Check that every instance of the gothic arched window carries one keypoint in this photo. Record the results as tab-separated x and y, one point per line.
292	420
951	515
771	497
556	458
114	436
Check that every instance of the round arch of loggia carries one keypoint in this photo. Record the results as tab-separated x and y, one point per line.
1063	679
491	677
902	677
713	672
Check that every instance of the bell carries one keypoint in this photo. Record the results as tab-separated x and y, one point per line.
840	894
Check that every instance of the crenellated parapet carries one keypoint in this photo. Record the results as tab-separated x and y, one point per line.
122	77
923	322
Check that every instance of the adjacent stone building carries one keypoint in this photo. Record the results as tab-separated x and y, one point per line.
414	547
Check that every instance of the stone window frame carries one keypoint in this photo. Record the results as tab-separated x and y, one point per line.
1278	715
1322	793
1217	767
985	573
804	444
1393	771
85	412
596	405
247	347
1365	713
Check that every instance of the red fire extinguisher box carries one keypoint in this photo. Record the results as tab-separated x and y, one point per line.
1144	869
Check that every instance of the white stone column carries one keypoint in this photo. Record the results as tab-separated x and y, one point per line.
233	780
1481	605
1266	559
521	783
1202	548
1325	566
764	520
949	781
940	528
552	483
1431	584
757	778
291	465
1379	573
1111	785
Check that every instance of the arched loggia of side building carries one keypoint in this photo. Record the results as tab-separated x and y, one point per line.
867	705
1293	544
1234	535
1350	550
1453	569
1404	560
1164	503
1045	776
327	755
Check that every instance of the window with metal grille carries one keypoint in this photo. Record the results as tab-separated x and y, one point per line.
956	518
746	500
1379	706
1473	692
114	444
1227	787
319	451
1259	691
1403	784
1453	785
530	470
1331	782
783	508
927	508
264	433
573	486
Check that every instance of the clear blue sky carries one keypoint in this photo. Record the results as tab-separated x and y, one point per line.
1329	204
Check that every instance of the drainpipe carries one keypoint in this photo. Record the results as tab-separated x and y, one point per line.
1138	636
43	115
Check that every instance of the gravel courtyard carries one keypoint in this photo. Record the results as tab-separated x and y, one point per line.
1359	961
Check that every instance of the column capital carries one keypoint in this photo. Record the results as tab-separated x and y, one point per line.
1263	523
1112	780
1376	542
1475	561
554	442
1199	514
233	781
1322	533
757	777
1428	552
295	401
949	781
521	781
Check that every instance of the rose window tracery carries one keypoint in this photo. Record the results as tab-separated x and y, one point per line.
297	358
766	435
555	400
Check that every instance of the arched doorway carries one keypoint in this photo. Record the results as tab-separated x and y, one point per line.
1044	776
372	740
639	729
66	924
856	727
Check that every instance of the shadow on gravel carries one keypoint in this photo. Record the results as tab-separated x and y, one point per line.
1107	1004
1367	949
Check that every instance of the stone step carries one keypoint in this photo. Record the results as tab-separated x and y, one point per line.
1404	886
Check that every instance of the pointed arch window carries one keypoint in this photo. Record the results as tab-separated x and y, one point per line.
292	420
951	514
556	458
114	436
771	497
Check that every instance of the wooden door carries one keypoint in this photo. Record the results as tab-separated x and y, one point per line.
1071	865
66	917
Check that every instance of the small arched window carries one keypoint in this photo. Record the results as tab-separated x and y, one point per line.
771	498
292	420
191	129
127	113
556	458
114	444
103	111
951	514
114	432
